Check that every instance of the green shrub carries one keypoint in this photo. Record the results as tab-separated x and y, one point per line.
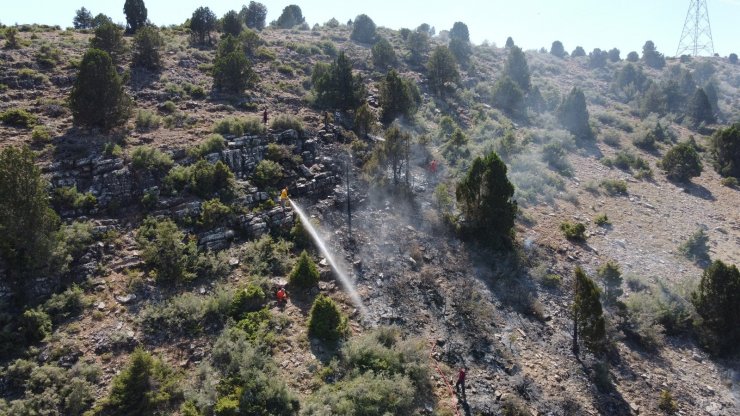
573	231
666	402
611	276
147	48
305	274
646	142
335	85
211	179
555	156
188	314
212	144
62	305
325	321
730	182
163	247
145	158
695	247
725	145
66	198
97	98
383	53
601	220
267	173
146	386
588	314
366	394
267	256
17	117
213	212
147	120
41	135
250	299
35	325
111	149
682	162
239	126
168	107
552	280
614	186
286	122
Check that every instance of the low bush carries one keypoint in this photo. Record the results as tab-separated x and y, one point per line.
730	182
212	144
239	126
614	186
267	256
145	158
573	231
555	156
213	212
208	179
286	122
188	314
249	299
267	174
16	117
146	120
35	325
62	305
666	402
41	135
695	247
682	162
601	220
325	321
66	198
716	300
305	274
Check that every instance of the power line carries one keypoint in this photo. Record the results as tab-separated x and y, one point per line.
696	37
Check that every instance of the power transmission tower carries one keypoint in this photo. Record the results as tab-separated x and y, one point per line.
696	37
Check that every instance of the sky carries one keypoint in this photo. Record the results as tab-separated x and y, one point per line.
624	24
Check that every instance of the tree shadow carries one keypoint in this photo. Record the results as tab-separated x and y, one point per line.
142	78
697	190
609	400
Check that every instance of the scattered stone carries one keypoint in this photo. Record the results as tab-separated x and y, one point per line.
125	299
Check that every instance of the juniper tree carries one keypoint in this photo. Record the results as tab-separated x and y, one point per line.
290	17
383	53
485	198
682	162
27	222
442	71
231	24
83	19
700	109
418	44
254	15
588	316
136	13
398	97
108	37
232	71
336	86
611	275
573	115
147	45
725	145
517	69
651	56
202	23
97	98
578	51
557	49
717	301
460	31
363	30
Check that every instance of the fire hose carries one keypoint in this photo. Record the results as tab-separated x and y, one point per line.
444	378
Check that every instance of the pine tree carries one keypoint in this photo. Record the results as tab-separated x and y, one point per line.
97	98
573	115
136	13
485	198
326	322
83	19
304	274
588	317
717	301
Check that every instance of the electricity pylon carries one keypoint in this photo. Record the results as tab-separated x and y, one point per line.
696	37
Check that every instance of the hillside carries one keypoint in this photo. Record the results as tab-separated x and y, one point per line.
174	243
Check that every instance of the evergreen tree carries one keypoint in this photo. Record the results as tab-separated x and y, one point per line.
682	162
290	17
364	120
418	44
254	15
326	321
485	198
508	97
717	301
100	19
614	55
557	49
460	32
509	42
147	44
588	316
144	387
733	58
202	23
231	24
109	38
578	51
633	57
573	115
363	30
135	12
383	53
304	273
462	51
651	56
597	58
97	98
535	100
725	145
442	70
517	69
27	222
394	152
398	97
611	275
700	109
336	86
232	71
83	19
653	101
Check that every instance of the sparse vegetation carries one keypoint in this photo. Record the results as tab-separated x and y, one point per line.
573	231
